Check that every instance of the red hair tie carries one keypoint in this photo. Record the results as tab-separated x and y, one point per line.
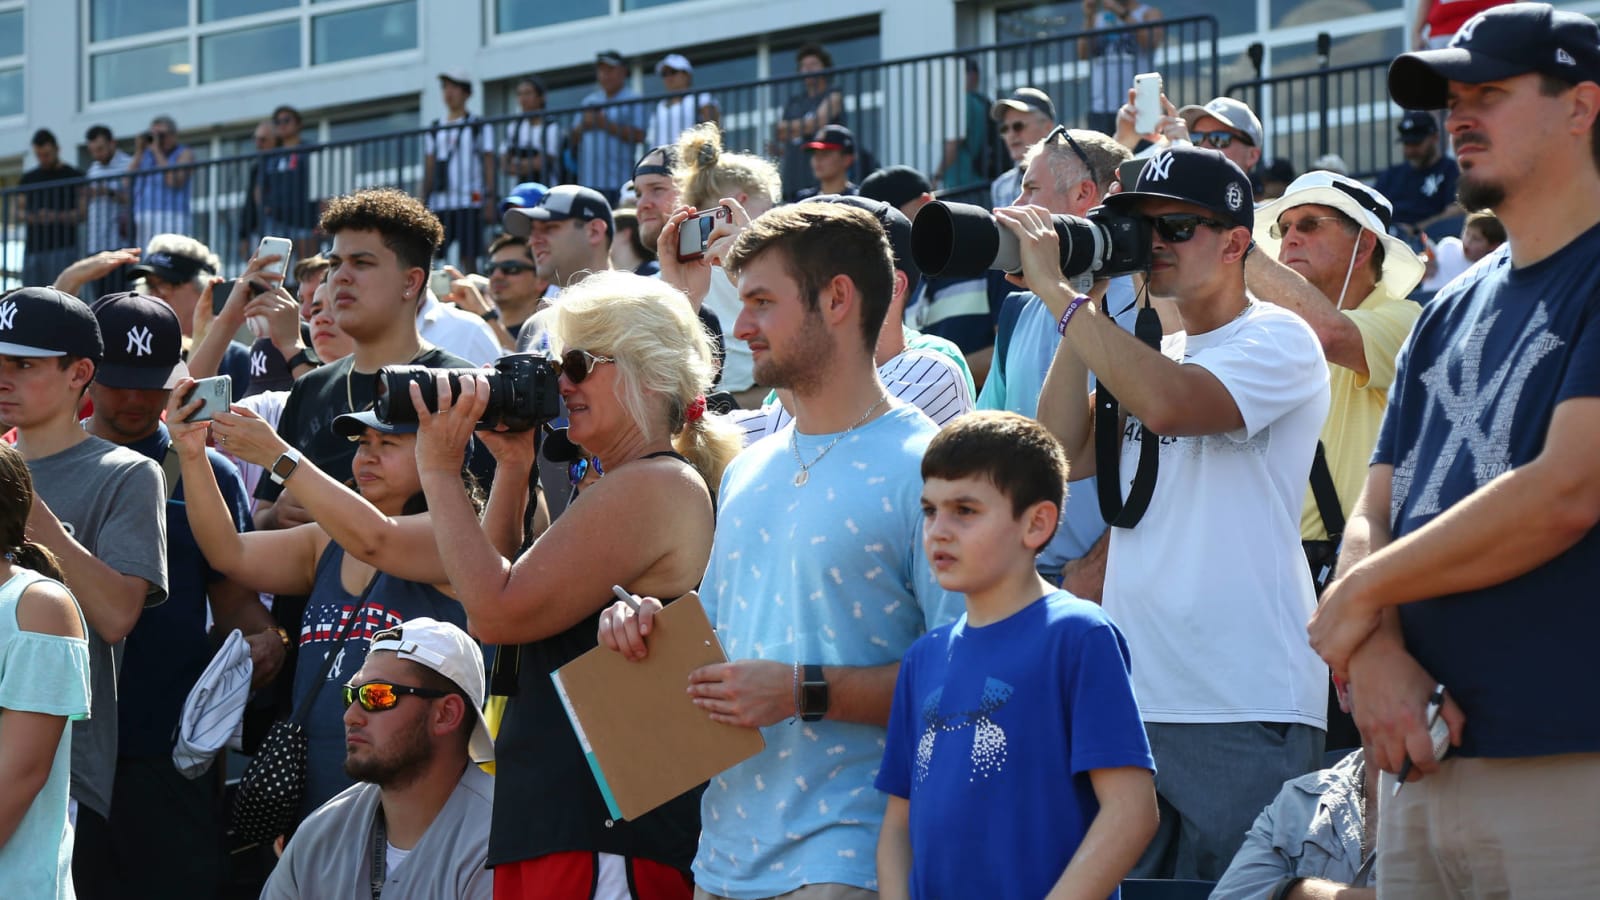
696	409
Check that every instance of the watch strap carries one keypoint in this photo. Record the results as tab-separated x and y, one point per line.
490	315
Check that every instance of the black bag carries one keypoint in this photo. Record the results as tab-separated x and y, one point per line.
1323	556
273	786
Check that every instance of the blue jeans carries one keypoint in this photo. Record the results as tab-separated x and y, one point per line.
1211	783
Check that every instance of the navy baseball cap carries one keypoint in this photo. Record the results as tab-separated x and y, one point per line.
173	268
833	137
144	343
564	201
42	321
1500	42
1197	175
351	425
1415	126
896	185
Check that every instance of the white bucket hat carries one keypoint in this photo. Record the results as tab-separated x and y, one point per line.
1402	267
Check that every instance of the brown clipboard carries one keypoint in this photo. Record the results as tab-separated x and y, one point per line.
645	741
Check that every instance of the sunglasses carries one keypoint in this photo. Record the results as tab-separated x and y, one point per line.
578	364
378	696
1218	140
509	268
1308	225
1176	228
578	469
1062	132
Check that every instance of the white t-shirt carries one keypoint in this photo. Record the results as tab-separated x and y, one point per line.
546	137
738	368
1211	587
458	331
674	116
103	232
459	144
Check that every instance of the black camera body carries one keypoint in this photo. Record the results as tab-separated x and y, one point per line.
522	392
959	240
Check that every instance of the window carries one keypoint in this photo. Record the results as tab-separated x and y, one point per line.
11	78
11	33
11	92
146	46
520	15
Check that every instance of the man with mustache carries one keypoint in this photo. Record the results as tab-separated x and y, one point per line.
1492	422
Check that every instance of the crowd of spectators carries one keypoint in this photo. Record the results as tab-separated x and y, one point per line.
1247	537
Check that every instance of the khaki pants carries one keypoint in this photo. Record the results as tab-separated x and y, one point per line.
1523	828
809	892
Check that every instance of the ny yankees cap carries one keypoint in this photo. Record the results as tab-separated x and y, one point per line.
1197	175
269	371
42	321
144	343
564	201
1500	42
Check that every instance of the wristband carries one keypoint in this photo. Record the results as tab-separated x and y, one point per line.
1061	326
491	315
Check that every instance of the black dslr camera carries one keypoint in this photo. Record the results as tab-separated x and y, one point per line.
522	392
959	240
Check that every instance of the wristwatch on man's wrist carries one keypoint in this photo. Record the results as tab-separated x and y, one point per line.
813	694
284	466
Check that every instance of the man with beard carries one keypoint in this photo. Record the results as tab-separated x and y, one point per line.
1492	422
1423	188
418	823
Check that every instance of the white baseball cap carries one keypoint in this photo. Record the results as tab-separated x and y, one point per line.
674	61
1402	268
451	652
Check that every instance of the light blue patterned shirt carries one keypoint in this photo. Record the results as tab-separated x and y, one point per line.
831	572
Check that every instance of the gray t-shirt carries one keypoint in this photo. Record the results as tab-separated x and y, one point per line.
330	856
111	500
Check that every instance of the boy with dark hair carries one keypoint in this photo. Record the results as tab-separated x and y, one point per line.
988	708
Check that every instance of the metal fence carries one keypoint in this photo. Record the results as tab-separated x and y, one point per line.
909	111
1340	109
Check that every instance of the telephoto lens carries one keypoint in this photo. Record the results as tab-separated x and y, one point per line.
959	240
522	392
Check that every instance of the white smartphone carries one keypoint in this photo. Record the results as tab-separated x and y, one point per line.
283	248
216	392
1146	101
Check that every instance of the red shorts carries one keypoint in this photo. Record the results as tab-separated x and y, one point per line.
573	875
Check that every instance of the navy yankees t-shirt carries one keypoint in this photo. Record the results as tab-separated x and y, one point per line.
1478	382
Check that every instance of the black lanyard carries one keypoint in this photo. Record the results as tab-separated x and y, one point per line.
1108	442
380	859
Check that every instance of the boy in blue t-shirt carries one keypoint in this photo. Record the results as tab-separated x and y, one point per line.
1016	763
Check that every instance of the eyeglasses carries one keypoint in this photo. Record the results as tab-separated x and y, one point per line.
1176	228
508	268
1308	225
378	696
578	469
1062	132
1218	140
1016	127
578	365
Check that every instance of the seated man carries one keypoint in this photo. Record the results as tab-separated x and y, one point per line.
413	726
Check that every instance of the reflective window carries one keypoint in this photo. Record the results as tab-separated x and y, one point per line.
214	10
250	51
123	18
124	73
1048	19
364	32
520	15
11	33
1288	13
645	4
11	92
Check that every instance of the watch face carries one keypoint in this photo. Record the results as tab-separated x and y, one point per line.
814	700
284	465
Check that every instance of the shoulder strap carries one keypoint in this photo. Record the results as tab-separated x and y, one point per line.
172	470
1327	497
300	715
1108	445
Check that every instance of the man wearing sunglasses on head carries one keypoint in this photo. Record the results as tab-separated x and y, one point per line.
1209	585
417	824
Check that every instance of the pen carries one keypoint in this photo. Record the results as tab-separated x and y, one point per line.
627	598
1435	702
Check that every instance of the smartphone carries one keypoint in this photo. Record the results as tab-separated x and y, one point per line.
220	292
694	235
216	392
1146	101
441	283
283	248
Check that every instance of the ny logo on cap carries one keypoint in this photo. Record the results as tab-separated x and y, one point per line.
1565	58
139	340
1464	33
1160	167
8	313
258	363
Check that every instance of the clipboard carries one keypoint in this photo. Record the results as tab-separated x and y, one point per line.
645	741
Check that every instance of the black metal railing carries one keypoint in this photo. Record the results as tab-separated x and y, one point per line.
1343	110
908	111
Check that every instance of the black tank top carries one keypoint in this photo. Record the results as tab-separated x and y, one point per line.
545	798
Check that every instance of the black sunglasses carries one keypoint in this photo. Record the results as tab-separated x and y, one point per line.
1308	225
578	364
578	469
509	268
1218	140
378	696
1062	132
1175	228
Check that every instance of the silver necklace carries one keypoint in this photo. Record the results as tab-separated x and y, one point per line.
804	474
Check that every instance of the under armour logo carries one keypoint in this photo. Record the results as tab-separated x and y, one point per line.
1565	58
258	364
8	313
1159	168
139	338
1464	33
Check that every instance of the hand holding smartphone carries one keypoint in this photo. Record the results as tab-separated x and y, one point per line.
1146	102
282	248
694	235
217	394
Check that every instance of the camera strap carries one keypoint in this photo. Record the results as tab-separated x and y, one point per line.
1108	442
1327	497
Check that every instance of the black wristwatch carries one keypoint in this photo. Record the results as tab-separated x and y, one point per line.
490	315
813	695
301	359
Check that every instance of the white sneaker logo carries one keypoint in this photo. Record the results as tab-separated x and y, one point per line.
139	338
